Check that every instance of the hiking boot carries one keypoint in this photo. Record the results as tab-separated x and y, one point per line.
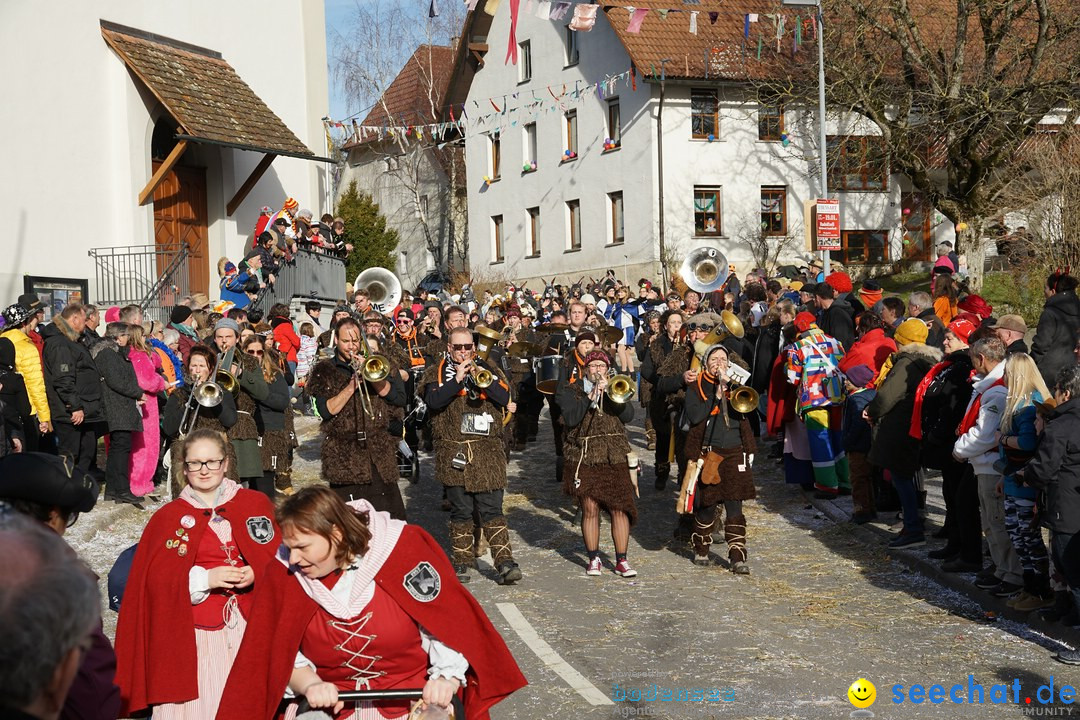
595	568
1027	602
906	542
509	572
1022	595
623	569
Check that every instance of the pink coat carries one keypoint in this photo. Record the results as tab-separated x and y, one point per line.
146	445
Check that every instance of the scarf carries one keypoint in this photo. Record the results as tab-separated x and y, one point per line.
916	430
226	491
972	414
385	532
178	366
870	298
184	330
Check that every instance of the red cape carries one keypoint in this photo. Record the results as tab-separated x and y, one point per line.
781	397
283	610
156	661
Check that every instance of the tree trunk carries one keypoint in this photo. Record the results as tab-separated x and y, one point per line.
971	243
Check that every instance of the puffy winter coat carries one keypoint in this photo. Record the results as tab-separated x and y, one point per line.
1055	337
872	350
72	379
286	341
120	387
28	364
1056	468
892	447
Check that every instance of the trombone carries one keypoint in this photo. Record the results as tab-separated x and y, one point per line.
206	394
223	377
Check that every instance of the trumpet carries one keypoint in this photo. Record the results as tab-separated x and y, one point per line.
744	399
620	389
368	369
481	377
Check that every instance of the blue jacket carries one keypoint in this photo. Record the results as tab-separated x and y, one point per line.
855	430
1023	427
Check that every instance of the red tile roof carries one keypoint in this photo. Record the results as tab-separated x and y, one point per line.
203	92
415	96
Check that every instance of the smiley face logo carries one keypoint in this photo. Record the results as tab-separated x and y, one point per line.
862	693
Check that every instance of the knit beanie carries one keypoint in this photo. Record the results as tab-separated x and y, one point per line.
962	328
179	314
598	356
839	281
912	330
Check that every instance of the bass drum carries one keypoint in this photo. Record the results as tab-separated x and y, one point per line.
547	373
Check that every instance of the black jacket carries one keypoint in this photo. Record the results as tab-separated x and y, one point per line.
120	387
1055	337
14	402
1056	468
836	322
944	404
935	328
766	350
270	413
72	380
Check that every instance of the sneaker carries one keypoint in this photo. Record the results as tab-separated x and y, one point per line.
595	568
623	569
944	553
1031	602
1022	595
1069	657
509	572
1005	590
956	565
907	541
986	582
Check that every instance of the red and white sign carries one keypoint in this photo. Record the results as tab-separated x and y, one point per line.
828	224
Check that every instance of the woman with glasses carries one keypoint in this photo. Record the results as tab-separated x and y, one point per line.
275	439
198	369
191	588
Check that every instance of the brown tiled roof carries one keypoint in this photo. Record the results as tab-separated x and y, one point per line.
415	96
718	51
202	92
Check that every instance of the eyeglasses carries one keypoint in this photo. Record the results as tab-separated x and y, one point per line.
463	346
193	466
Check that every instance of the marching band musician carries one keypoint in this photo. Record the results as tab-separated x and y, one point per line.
597	450
358	450
198	368
326	339
409	340
663	367
244	435
529	400
466	422
722	437
275	439
455	317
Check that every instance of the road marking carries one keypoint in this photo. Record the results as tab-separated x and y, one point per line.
551	658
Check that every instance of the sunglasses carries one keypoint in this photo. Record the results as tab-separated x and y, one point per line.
463	346
404	320
256	353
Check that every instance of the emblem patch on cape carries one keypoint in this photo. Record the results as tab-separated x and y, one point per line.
423	582
260	529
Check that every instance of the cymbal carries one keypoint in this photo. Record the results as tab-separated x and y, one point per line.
523	349
610	335
552	327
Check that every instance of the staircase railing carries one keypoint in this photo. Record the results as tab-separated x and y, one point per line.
153	277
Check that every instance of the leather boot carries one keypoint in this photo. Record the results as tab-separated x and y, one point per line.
498	537
701	540
735	534
461	543
663	470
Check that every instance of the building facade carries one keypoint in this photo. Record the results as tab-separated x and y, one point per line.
633	174
105	113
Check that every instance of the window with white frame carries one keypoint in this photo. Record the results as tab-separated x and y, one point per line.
497	238
524	61
532	232
528	147
615	200
573	226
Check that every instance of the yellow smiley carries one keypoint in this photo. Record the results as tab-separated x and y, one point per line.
862	693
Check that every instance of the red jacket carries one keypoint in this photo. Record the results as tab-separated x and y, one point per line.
286	340
156	659
872	350
283	610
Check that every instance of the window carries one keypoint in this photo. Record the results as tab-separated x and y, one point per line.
424	217
571	47
533	232
573	216
863	247
858	163
403	262
707	211
770	122
570	151
617	235
704	114
496	156
774	210
497	239
524	61
614	124
528	147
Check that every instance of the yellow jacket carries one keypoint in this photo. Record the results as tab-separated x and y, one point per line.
28	364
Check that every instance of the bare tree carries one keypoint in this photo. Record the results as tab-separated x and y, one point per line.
768	247
954	88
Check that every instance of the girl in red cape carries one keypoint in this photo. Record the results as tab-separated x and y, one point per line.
360	601
190	589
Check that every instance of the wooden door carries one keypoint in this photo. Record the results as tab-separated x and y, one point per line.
180	218
917	236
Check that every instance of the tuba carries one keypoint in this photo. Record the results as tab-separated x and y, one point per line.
705	269
383	288
730	326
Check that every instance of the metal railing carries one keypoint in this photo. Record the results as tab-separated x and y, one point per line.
310	275
153	277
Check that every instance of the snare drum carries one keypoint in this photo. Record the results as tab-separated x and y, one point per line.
547	373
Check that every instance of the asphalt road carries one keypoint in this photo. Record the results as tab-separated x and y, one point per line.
824	606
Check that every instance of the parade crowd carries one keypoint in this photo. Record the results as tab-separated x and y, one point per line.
244	591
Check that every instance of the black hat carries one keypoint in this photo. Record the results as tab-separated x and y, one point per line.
407	312
48	480
30	300
179	314
871	285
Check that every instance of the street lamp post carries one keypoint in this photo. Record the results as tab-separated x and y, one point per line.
821	104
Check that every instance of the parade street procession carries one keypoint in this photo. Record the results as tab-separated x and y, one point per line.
754	393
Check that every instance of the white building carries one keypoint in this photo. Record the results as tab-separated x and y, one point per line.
729	168
227	98
418	181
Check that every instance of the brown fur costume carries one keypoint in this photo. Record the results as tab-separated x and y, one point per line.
673	363
486	466
603	472
733	485
344	460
